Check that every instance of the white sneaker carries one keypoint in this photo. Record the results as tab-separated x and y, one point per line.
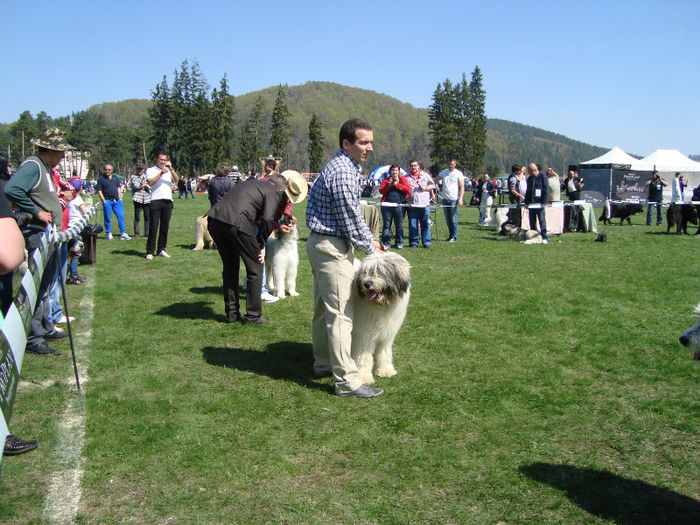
124	237
163	254
545	241
269	298
149	257
64	319
109	237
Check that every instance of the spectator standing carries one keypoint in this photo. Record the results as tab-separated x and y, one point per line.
220	184
573	185
337	228
161	178
656	194
141	195
110	193
485	193
538	194
235	175
76	210
422	186
395	191
452	196
677	189
515	196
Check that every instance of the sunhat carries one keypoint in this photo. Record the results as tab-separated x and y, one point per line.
53	139
297	187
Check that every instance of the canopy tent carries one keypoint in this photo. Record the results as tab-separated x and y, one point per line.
671	160
614	175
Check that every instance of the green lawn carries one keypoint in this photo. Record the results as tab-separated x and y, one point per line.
536	384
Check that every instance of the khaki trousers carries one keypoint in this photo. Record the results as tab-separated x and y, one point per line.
332	269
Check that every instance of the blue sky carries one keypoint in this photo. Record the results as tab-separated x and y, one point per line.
605	72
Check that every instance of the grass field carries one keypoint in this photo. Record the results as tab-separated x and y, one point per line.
536	384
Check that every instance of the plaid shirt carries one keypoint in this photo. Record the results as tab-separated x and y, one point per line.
137	194
333	207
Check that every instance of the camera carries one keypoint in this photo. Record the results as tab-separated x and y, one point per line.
22	217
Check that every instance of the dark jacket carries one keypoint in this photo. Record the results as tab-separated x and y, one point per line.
490	189
534	183
249	204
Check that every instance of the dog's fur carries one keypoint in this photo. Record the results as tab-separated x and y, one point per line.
201	234
680	215
500	217
620	210
379	297
515	233
281	263
691	338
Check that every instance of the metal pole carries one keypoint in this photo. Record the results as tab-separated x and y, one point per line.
70	334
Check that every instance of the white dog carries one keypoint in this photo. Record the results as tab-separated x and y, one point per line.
281	262
379	298
515	233
201	234
691	338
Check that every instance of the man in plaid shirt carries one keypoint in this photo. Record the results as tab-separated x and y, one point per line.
337	226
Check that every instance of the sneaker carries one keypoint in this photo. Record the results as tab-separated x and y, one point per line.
124	237
15	445
74	280
269	298
163	253
399	246
109	237
149	256
259	320
81	279
64	319
55	335
362	391
452	240
545	241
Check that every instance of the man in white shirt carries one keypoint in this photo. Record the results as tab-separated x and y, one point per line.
452	194
160	178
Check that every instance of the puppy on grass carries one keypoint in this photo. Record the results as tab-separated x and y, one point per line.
281	262
201	235
379	297
691	338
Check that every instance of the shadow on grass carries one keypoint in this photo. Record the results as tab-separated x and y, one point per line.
285	360
612	497
131	253
207	290
196	310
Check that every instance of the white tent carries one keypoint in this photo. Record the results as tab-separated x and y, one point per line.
618	157
671	160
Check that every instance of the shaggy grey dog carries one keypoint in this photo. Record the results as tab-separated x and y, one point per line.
379	297
691	338
515	233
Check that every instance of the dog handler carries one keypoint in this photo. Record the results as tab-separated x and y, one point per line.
336	223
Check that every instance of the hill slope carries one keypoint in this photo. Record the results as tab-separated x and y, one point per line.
401	130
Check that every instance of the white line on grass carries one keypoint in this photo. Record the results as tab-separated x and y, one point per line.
63	496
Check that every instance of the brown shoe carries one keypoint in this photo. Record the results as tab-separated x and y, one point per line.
259	320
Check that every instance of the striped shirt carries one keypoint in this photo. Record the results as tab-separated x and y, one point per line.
333	207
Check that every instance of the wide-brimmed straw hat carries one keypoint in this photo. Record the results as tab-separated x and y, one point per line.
53	139
297	187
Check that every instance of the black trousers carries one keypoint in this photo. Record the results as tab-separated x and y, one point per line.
234	246
161	211
146	209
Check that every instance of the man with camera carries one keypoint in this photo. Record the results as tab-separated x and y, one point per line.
656	190
160	178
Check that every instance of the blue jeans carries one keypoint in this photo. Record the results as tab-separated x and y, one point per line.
55	308
118	208
537	214
419	217
659	215
389	215
451	216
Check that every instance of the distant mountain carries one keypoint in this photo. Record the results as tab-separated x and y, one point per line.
400	129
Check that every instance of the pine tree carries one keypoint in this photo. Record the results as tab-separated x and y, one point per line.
279	128
442	125
316	145
477	124
160	119
224	109
251	142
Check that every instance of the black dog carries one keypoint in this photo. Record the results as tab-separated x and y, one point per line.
621	210
681	215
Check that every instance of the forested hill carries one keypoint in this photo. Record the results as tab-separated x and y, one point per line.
401	130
